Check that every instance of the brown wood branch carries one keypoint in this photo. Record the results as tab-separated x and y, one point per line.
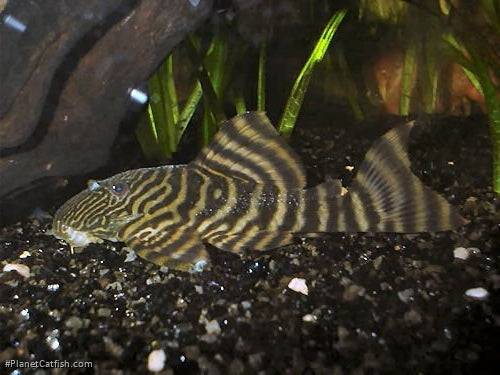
95	96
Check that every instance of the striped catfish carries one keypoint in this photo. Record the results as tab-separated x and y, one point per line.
247	190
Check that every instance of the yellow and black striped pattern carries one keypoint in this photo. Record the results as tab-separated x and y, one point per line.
247	191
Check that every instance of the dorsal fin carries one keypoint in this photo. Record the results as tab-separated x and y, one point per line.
248	147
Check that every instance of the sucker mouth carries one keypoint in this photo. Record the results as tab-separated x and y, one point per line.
75	238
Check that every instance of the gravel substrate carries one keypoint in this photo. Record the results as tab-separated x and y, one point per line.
360	303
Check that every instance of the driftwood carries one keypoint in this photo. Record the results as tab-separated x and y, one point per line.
65	80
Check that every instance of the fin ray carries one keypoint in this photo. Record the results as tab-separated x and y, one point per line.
248	147
179	249
387	197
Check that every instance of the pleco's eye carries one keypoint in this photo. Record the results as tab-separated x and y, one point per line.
119	188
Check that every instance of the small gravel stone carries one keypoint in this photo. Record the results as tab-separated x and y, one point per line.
74	322
199	289
309	318
52	339
156	360
461	253
21	269
477	293
103	312
378	262
236	367
298	285
413	317
25	314
53	287
115	286
405	295
212	327
255	360
352	292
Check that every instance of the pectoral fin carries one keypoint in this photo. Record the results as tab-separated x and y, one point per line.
179	249
253	240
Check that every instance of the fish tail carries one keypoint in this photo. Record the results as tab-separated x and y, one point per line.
387	197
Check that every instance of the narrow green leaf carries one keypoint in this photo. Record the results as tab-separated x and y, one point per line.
171	108
159	116
431	82
261	79
170	88
409	68
296	97
239	103
208	126
146	138
208	89
152	124
473	79
189	108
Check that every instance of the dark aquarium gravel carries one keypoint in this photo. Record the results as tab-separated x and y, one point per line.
367	303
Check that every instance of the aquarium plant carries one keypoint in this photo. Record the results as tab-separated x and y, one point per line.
161	130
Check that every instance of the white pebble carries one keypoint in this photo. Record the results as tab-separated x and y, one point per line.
309	318
461	253
21	269
53	287
477	293
25	254
212	327
298	285
156	360
198	289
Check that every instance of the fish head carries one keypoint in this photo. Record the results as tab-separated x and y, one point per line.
96	213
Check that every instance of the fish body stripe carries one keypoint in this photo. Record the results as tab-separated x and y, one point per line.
242	218
240	208
219	213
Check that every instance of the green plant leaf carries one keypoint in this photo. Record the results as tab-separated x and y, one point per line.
409	68
478	71
296	97
261	79
189	108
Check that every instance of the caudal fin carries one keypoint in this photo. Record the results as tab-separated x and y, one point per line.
387	197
